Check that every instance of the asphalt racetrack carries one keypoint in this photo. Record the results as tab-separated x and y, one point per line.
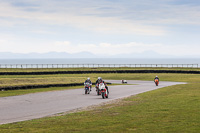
38	105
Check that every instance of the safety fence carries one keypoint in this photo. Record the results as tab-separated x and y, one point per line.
97	65
40	86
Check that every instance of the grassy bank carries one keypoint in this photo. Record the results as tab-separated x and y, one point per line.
169	109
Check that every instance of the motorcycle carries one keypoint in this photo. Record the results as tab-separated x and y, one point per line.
104	92
87	88
156	82
124	82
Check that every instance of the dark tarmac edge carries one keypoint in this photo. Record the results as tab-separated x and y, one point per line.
95	71
40	86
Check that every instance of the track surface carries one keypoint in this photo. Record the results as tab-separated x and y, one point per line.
32	106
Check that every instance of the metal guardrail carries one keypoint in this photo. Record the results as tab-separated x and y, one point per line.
97	65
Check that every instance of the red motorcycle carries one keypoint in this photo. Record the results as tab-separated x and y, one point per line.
156	82
104	92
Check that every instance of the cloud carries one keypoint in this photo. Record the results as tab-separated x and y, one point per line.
64	16
108	17
62	44
134	26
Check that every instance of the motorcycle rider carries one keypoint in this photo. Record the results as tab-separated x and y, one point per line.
156	78
97	83
101	81
98	80
89	81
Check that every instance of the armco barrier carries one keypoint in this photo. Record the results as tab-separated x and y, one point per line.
41	86
108	71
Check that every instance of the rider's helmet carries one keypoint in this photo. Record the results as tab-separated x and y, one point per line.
156	76
88	79
99	78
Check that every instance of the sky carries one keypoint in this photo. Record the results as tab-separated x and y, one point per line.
111	27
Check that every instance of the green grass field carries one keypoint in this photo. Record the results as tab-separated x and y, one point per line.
170	109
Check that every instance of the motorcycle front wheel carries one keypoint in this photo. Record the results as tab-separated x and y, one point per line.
103	95
98	92
107	95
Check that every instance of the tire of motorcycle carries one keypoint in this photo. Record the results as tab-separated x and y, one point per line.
85	91
107	94
103	95
98	92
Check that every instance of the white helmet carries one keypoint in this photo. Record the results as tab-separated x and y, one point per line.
88	78
99	78
156	76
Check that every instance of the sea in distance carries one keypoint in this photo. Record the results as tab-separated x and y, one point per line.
91	61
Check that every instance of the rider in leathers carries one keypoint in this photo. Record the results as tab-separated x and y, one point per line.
99	80
156	78
89	81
